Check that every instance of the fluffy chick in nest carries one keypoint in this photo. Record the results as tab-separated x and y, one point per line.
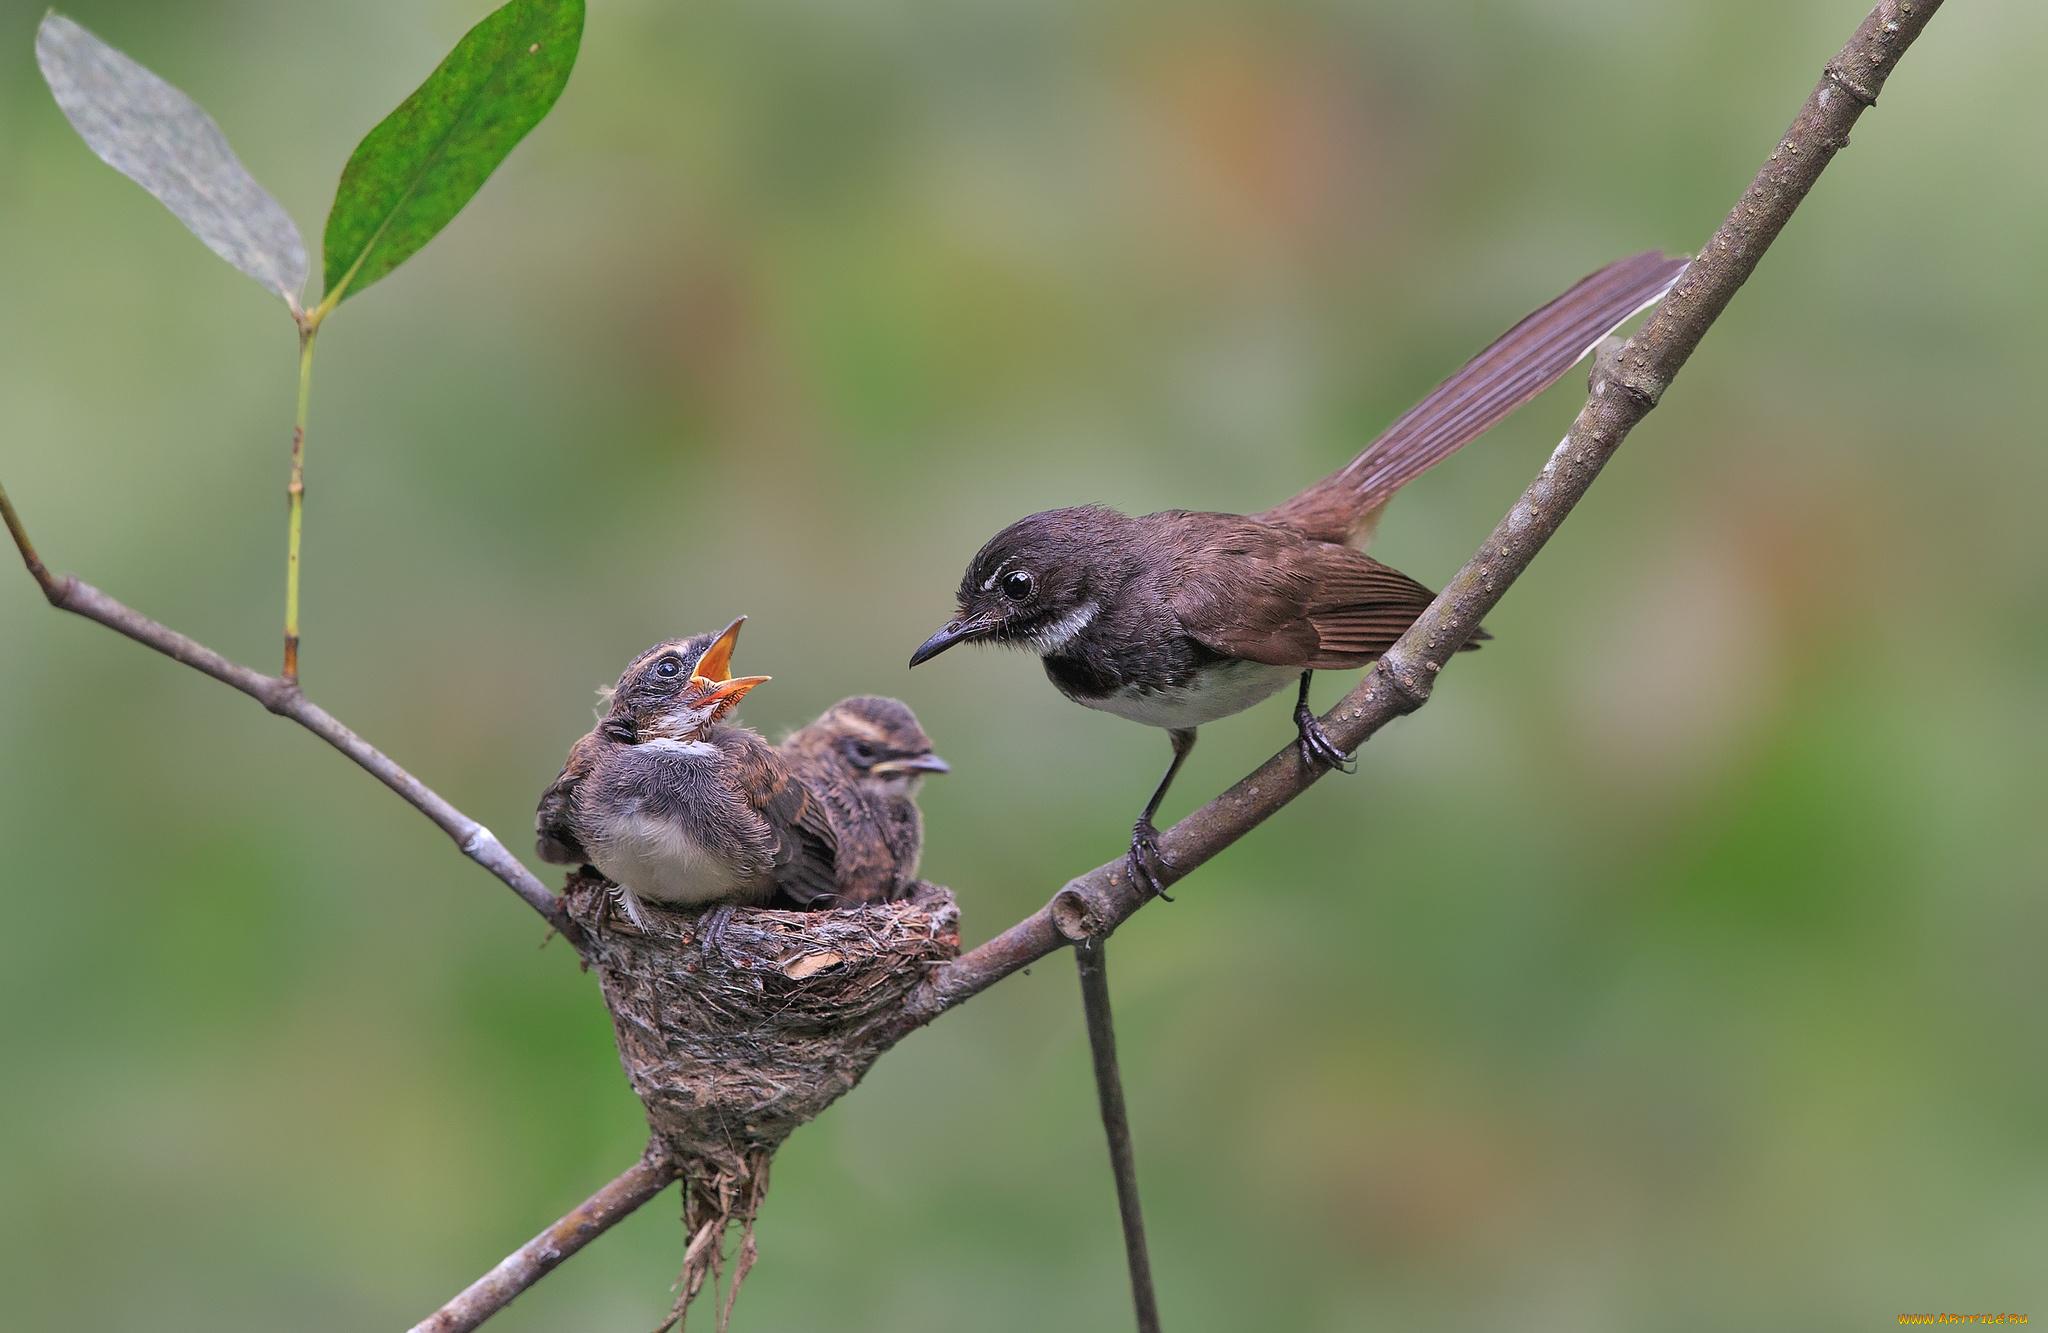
676	806
865	759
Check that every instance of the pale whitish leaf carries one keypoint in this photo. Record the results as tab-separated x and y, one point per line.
162	140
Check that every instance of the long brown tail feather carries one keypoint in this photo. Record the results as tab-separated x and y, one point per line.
1520	364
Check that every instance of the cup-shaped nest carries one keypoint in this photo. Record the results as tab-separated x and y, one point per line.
731	1044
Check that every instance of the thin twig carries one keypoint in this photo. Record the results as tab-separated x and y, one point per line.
27	548
283	697
544	1253
1090	961
1625	385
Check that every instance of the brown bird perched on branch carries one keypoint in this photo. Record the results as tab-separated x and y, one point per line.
865	759
1176	619
676	806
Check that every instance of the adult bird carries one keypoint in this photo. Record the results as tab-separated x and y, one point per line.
1178	618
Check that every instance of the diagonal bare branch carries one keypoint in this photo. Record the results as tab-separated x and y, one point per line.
544	1253
281	695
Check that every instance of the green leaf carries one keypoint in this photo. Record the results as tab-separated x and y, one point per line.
160	139
411	175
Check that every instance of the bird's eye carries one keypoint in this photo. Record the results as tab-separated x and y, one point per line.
863	753
1016	585
668	668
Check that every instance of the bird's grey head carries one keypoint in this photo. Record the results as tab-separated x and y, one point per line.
677	689
1038	583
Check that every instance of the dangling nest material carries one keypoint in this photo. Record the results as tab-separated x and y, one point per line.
731	1047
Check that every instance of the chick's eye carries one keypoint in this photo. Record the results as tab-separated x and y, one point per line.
668	668
862	752
1017	585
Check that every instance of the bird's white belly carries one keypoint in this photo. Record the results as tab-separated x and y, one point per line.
1219	691
658	859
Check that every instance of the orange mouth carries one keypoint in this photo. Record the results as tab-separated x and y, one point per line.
720	697
716	663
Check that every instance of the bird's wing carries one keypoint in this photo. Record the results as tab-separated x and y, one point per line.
1254	592
1361	608
866	868
556	839
804	859
1239	588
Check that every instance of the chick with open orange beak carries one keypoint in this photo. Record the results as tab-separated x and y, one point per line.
676	805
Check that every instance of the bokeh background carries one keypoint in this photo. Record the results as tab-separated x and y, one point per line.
1679	967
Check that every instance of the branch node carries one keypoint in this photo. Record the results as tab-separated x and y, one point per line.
1075	916
1408	685
1850	86
656	1156
281	695
1610	372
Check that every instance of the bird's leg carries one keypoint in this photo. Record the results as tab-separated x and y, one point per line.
1145	853
605	898
711	928
1316	746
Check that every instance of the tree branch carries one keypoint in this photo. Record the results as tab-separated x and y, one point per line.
1091	961
540	1256
1626	382
281	695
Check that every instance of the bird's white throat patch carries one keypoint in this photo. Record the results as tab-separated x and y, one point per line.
1062	631
667	745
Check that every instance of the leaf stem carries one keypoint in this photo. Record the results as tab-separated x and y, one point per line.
295	493
27	549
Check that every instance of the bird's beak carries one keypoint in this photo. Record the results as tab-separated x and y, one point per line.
917	763
719	697
716	663
956	631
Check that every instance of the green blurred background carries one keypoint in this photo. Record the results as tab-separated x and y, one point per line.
1680	967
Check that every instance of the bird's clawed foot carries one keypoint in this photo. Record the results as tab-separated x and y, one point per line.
1144	856
711	928
1316	745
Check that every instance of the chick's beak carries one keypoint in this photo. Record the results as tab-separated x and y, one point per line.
966	630
719	697
716	663
916	763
